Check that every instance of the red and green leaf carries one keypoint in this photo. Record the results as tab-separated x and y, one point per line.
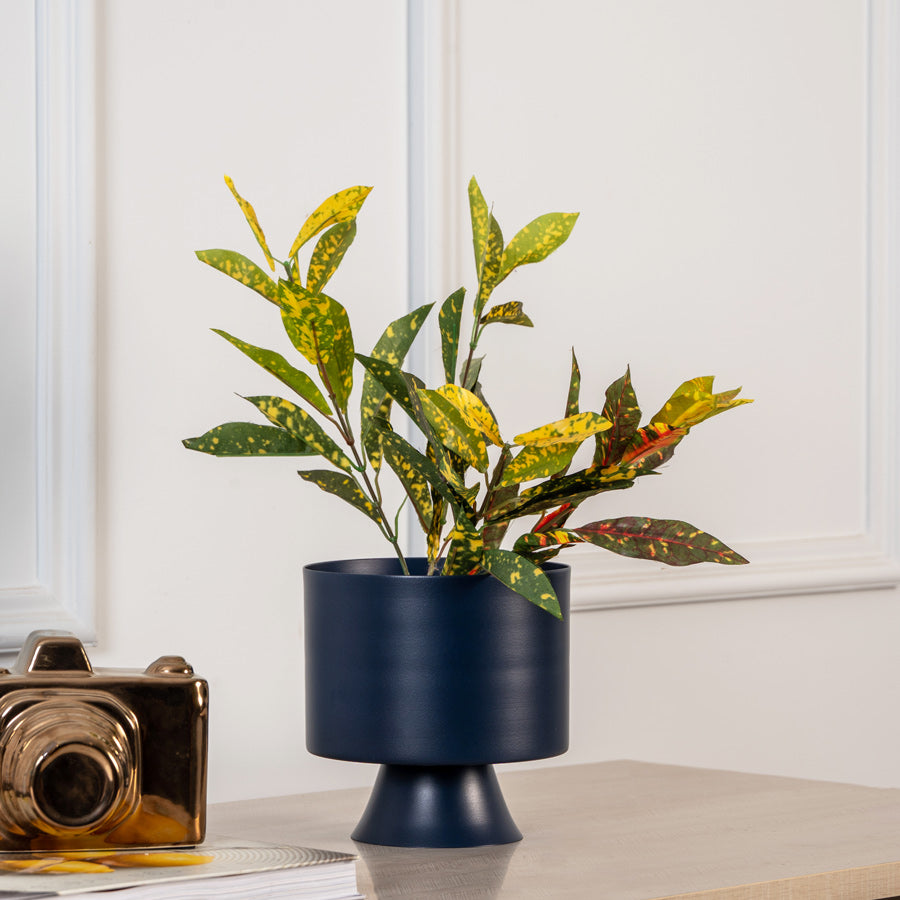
621	408
546	540
651	446
571	489
661	540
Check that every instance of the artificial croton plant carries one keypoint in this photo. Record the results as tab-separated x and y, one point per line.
472	481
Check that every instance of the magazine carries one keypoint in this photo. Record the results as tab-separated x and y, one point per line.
217	869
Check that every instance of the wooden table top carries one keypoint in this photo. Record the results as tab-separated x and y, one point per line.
623	831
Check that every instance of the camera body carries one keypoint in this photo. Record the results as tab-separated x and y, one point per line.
100	758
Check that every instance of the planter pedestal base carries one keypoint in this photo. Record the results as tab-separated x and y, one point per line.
436	806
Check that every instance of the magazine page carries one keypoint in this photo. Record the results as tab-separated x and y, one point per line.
53	874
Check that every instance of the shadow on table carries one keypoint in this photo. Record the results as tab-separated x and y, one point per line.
475	873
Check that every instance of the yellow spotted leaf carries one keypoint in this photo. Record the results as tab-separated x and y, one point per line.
241	269
539	461
452	430
328	253
474	412
252	221
391	349
302	426
694	402
278	366
318	326
248	439
536	241
511	313
466	549
449	320
578	427
340	207
481	224
523	577
343	486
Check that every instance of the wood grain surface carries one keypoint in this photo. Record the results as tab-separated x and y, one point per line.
624	831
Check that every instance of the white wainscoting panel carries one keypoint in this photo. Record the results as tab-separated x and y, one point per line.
61	595
736	166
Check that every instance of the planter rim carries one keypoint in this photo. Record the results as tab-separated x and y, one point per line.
362	567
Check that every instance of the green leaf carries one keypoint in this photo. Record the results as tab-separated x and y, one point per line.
236	266
252	221
510	313
539	461
452	431
466	549
391	348
343	486
372	436
573	428
392	379
278	366
494	532
661	540
328	253
621	408
575	390
489	276
536	241
481	225
340	207
411	467
449	320
248	439
470	382
694	401
302	425
523	577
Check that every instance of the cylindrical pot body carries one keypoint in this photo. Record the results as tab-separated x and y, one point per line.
432	670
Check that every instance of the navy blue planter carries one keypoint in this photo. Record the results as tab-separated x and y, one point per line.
436	679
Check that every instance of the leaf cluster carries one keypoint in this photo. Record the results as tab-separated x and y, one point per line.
469	482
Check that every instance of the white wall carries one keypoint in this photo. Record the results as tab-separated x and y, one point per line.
718	153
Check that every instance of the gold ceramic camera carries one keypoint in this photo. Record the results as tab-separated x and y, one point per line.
99	758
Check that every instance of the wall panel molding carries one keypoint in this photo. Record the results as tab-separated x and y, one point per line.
63	595
851	562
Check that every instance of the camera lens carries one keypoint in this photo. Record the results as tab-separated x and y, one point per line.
69	762
74	786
